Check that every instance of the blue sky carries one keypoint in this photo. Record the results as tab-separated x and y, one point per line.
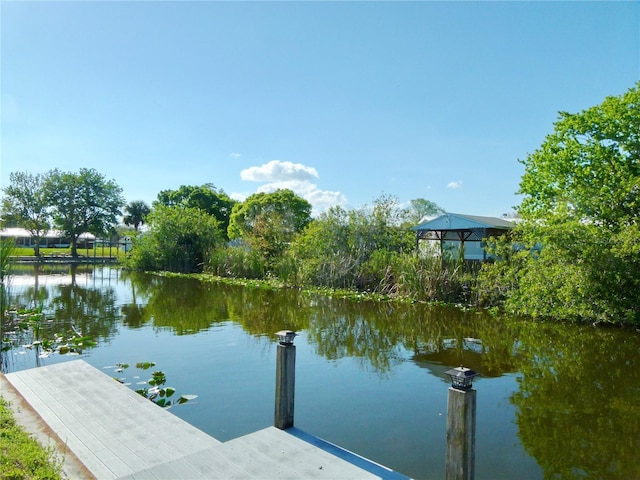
340	101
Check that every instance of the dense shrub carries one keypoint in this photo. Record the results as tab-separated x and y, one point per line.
351	249
180	240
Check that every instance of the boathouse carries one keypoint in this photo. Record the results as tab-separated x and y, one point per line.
457	232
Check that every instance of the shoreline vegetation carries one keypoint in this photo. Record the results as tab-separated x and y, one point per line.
277	284
22	455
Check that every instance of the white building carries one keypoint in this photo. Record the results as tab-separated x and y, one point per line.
51	239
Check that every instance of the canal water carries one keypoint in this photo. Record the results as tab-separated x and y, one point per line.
554	401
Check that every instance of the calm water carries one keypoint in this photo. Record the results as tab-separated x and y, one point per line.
554	401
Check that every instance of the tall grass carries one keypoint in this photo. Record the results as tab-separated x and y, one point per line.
236	262
426	278
7	248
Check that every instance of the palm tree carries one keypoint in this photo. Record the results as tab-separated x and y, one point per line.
137	212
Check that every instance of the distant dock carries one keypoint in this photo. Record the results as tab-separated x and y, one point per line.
62	259
118	434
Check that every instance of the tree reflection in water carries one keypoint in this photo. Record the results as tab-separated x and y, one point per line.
74	314
577	407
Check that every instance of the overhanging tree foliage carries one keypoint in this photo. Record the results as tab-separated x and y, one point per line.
83	202
581	207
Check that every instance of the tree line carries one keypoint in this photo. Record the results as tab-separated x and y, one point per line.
273	236
574	255
75	203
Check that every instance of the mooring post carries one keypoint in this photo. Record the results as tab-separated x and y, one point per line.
285	379
461	425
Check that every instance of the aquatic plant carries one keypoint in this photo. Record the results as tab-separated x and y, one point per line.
158	393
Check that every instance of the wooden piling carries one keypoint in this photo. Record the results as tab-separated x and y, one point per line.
461	433
285	385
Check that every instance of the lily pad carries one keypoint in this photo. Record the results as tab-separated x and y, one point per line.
186	398
145	365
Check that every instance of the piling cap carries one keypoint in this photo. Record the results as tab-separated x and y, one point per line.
285	337
461	377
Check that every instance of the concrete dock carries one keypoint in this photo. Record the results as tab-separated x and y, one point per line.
117	434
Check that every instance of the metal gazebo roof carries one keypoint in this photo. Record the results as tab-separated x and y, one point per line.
459	227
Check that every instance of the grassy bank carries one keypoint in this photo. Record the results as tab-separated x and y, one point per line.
276	284
21	456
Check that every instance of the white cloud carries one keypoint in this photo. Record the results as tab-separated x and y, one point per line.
279	171
235	155
299	187
322	200
455	185
239	196
297	177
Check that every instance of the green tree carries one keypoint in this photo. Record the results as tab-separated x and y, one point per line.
83	202
25	205
589	167
269	221
205	197
581	218
420	208
136	213
180	239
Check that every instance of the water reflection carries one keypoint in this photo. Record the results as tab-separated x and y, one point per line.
575	403
54	304
577	407
185	306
